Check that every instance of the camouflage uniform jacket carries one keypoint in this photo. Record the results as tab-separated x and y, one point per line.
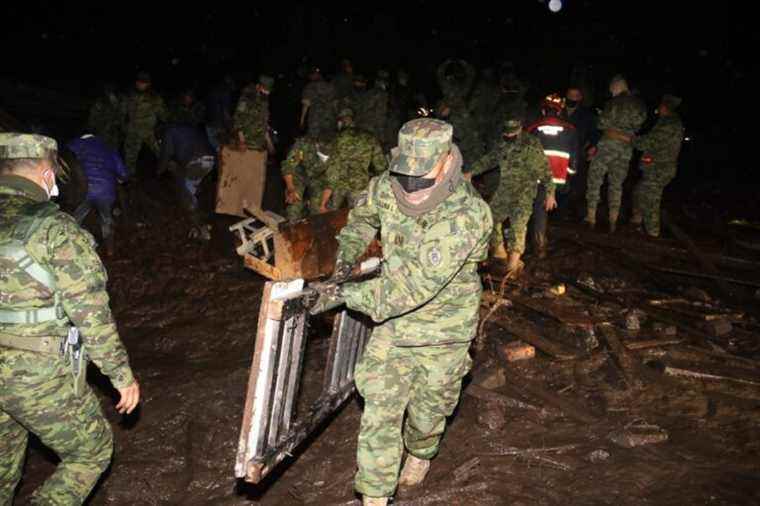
143	111
252	117
429	290
303	155
373	112
349	166
322	102
663	142
105	119
625	113
68	252
523	164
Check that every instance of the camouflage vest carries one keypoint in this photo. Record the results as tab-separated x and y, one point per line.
13	252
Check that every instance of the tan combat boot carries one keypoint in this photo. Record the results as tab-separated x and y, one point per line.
499	252
414	471
374	501
515	266
613	222
590	220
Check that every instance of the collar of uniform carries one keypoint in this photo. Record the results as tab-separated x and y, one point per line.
17	185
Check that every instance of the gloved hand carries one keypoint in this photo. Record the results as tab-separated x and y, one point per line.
327	297
341	273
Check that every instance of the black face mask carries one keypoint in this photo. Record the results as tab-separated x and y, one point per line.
412	184
571	103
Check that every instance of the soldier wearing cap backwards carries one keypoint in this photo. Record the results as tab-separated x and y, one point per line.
53	285
251	119
659	163
141	110
522	162
434	229
357	156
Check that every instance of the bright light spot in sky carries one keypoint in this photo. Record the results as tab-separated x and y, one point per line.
555	5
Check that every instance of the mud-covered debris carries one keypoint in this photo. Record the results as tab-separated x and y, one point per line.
492	416
494	379
639	435
558	290
697	294
665	330
598	456
719	328
589	282
633	319
518	350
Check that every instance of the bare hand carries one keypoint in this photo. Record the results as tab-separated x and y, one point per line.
291	196
551	203
467	176
323	209
130	397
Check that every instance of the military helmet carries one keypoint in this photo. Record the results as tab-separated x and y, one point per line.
421	144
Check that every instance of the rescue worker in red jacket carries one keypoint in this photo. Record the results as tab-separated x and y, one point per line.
560	141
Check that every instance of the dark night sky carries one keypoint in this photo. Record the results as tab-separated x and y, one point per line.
698	52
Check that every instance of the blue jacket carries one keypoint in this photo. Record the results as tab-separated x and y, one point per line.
101	164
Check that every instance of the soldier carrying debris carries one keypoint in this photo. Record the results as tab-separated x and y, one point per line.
435	230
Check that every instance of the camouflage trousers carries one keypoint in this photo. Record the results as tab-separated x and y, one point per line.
37	395
518	210
344	198
422	382
310	192
647	196
133	143
612	160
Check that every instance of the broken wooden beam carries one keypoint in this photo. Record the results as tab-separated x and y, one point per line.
484	394
528	332
629	363
568	407
709	372
705	262
651	343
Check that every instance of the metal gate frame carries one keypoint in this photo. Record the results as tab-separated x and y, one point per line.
269	432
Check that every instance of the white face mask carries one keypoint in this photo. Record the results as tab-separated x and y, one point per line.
323	157
54	191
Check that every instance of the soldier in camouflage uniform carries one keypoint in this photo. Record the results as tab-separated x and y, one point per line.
622	117
105	118
318	103
522	162
659	163
251	119
304	174
434	229
455	111
142	110
455	84
355	100
356	157
483	103
187	110
51	280
344	81
511	104
373	113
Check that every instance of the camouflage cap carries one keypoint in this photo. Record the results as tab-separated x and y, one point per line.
671	102
15	145
266	81
346	112
512	126
421	143
143	76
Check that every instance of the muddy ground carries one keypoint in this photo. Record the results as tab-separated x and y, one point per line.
187	313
